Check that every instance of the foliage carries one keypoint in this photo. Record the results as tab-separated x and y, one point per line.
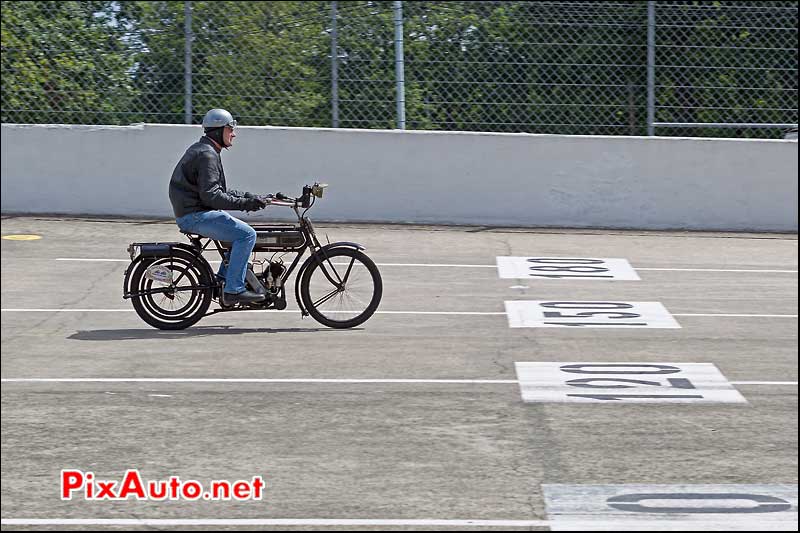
549	67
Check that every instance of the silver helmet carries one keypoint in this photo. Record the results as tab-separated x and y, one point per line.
218	118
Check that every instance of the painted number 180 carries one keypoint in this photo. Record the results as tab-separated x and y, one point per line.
567	268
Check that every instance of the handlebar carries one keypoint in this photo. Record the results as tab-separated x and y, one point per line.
306	200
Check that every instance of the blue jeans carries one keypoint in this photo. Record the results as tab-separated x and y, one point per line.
221	226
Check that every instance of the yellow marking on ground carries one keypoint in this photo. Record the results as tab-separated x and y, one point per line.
22	237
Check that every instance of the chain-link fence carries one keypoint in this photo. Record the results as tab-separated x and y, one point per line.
569	67
727	63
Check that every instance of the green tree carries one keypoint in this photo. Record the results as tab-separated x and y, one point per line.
253	58
727	62
64	62
574	67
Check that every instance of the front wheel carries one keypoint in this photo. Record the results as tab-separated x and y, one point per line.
343	289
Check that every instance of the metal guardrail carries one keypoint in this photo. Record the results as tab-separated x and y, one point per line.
720	125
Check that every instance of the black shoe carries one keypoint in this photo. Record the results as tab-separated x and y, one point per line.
244	297
219	284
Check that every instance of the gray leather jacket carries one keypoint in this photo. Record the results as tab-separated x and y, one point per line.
198	183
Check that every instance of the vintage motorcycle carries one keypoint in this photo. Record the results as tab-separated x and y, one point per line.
172	286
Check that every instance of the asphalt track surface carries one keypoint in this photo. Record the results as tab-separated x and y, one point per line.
415	417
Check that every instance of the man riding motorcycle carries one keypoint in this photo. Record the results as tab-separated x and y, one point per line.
199	196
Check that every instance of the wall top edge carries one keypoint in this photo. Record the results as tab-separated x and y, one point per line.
141	126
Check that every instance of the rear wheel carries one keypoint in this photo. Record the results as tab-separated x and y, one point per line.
184	304
343	290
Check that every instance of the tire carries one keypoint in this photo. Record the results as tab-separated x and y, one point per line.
345	308
185	308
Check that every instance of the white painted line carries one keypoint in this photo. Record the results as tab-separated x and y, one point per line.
792	383
435	265
566	525
257	380
439	313
311	380
443	265
734	316
718	270
18	310
454	313
66	310
154	522
92	260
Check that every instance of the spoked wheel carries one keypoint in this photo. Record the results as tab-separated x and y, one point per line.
343	290
175	309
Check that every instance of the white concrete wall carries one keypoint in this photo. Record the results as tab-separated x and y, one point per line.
423	177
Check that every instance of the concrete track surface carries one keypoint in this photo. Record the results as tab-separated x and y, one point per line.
414	420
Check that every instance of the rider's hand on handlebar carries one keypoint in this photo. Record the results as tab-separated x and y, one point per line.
254	204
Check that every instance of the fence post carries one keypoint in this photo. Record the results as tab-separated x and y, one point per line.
651	66
334	68
398	63
187	63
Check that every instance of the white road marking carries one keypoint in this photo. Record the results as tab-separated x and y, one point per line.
679	507
156	522
793	383
456	313
624	382
256	380
734	315
436	312
607	525
309	380
18	310
579	268
66	310
583	314
433	265
718	270
443	265
92	259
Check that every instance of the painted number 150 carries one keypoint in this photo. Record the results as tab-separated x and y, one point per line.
609	312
